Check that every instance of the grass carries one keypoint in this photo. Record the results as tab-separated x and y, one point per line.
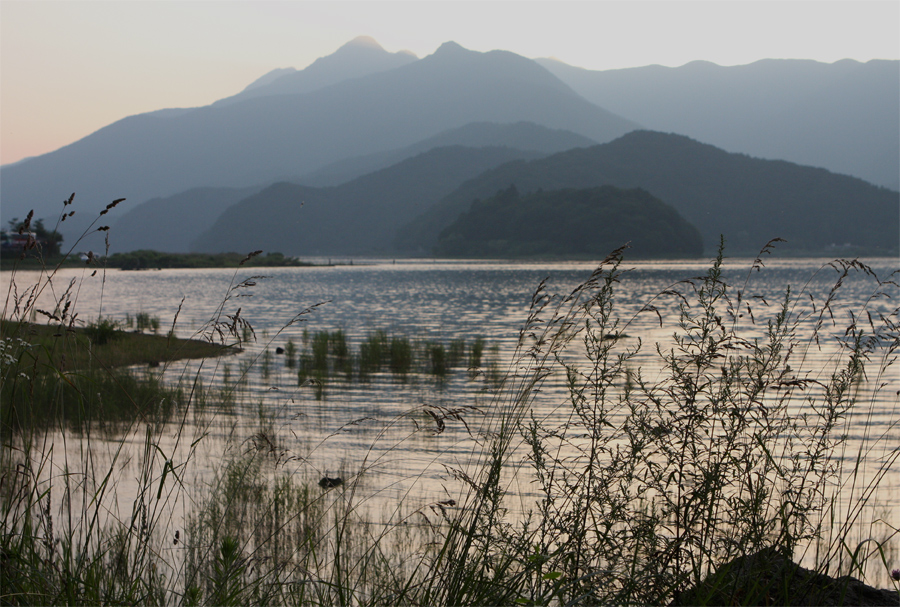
643	485
102	344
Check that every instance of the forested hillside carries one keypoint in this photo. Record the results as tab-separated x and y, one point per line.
570	224
748	200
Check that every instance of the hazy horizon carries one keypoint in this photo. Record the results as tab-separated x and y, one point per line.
69	69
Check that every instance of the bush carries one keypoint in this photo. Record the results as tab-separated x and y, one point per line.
102	331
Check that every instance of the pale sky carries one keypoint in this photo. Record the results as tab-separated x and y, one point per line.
71	67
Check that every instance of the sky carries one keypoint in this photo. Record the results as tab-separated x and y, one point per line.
69	68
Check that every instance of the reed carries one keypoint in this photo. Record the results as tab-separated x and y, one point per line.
327	354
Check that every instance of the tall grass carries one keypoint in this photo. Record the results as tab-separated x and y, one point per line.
590	481
647	485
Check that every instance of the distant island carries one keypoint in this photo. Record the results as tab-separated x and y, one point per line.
570	223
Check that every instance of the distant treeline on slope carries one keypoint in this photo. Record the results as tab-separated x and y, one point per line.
360	217
156	260
748	200
570	223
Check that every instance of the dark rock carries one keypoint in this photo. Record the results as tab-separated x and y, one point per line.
769	577
279	350
329	483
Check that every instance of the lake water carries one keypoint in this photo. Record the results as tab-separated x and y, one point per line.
383	431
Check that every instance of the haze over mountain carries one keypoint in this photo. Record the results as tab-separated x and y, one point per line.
360	217
525	136
359	57
843	116
173	223
748	200
272	137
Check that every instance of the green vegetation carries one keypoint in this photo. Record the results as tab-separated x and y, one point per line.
569	224
720	193
102	343
40	242
60	373
142	321
152	260
327	354
647	485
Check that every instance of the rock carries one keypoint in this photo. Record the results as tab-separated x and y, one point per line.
768	577
329	483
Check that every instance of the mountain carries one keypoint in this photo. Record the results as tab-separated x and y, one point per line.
843	116
520	136
569	224
359	57
360	217
748	200
171	224
264	139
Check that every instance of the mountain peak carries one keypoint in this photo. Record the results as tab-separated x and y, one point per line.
361	56
450	48
363	42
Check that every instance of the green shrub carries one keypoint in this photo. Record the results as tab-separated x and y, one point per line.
101	331
144	321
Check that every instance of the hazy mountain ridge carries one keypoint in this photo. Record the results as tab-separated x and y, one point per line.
171	224
362	110
357	218
174	223
263	139
843	116
748	200
525	136
362	56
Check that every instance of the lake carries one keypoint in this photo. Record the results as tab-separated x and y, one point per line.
399	435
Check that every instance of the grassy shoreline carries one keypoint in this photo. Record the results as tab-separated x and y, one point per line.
153	260
119	348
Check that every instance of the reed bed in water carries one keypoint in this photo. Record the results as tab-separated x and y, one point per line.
644	485
326	356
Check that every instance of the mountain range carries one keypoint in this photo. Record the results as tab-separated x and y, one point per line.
843	116
272	137
747	200
340	132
